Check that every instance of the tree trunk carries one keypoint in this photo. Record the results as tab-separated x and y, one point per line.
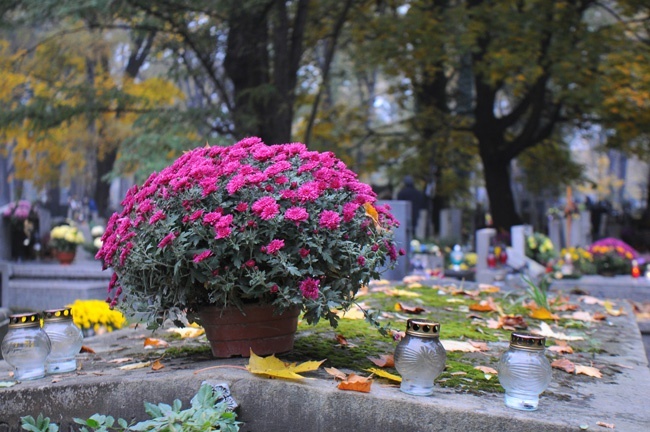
102	187
497	183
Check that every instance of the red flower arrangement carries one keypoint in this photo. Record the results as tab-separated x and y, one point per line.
225	226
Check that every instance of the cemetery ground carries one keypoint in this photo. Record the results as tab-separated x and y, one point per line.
601	377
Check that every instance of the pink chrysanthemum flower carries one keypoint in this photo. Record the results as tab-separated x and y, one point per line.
202	256
274	246
296	214
310	288
329	219
167	240
266	208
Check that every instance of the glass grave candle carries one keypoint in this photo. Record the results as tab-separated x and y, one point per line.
66	339
420	357
26	346
524	371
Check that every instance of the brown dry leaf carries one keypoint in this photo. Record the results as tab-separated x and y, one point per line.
486	369
150	343
564	364
543	314
589	371
416	310
606	425
509	322
86	349
457	291
458	373
336	373
157	365
341	339
609	307
565	307
121	360
641	310
469	346
356	383
384	360
591	300
561	348
494	324
599	316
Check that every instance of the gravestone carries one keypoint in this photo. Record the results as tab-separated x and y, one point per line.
450	224
401	210
555	228
483	241
518	234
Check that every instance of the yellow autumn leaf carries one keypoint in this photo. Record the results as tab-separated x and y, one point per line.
543	314
609	307
382	373
402	293
353	313
272	366
187	332
372	213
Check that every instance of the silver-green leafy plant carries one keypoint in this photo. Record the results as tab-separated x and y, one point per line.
206	413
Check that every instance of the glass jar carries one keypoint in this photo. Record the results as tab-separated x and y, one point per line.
524	371
25	346
66	339
456	257
420	357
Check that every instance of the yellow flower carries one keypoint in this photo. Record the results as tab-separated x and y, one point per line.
95	314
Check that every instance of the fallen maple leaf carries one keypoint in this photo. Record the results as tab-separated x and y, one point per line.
382	373
468	293
580	316
341	339
157	365
150	343
416	310
589	371
384	360
606	425
599	316
356	383
564	364
508	322
546	331
86	349
272	366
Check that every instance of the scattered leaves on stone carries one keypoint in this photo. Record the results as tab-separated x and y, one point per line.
487	288
508	322
606	425
487	305
401	293
561	348
568	366
609	307
121	360
86	349
564	364
272	366
589	371
486	369
157	365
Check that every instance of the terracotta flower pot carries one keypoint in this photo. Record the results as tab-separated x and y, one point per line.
232	333
65	257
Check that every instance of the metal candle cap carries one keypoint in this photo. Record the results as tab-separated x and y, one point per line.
527	341
422	328
57	314
25	320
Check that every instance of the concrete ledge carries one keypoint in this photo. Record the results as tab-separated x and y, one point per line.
617	287
317	405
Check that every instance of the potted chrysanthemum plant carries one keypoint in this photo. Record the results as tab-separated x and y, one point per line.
245	232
